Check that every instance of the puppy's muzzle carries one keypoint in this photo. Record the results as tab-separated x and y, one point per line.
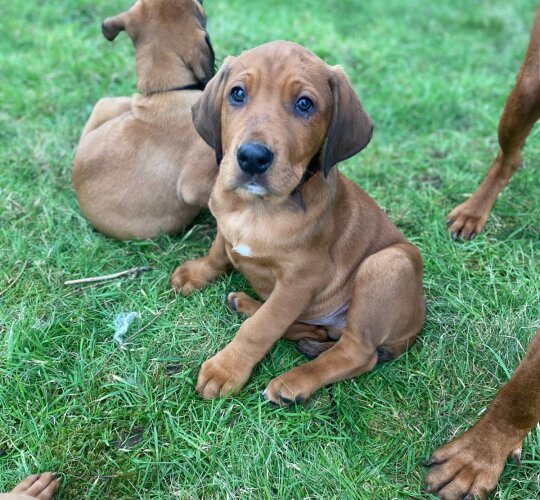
254	158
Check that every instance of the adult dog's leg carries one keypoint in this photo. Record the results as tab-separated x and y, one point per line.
106	109
386	315
470	466
196	274
521	112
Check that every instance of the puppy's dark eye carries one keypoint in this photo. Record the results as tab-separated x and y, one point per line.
304	104
238	95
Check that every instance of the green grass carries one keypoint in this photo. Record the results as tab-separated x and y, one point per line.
127	423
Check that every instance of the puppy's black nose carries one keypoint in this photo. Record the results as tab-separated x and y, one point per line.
254	158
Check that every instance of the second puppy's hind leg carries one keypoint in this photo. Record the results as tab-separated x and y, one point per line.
106	109
242	303
385	317
198	273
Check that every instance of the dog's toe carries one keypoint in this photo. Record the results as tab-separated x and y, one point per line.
285	400
222	375
516	455
283	391
231	302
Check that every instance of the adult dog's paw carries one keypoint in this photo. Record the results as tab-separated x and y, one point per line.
193	275
469	466
223	374
468	219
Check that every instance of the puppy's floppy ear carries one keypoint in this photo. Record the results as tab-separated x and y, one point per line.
204	67
351	128
206	111
113	25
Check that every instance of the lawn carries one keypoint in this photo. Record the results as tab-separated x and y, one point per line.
127	423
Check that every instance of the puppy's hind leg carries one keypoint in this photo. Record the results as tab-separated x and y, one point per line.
386	315
106	109
244	304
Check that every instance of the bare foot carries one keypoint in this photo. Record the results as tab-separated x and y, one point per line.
41	486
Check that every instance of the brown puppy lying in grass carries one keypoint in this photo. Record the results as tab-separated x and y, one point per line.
470	465
332	268
141	169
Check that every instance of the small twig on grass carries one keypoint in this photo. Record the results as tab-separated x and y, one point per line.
14	280
107	277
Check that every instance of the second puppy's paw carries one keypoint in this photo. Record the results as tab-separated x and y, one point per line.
193	275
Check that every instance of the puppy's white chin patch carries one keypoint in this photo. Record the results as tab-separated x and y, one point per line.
255	189
243	250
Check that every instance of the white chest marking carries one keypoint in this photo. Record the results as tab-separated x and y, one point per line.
243	250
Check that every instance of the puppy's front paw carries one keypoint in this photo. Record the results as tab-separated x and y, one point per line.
223	374
193	275
291	387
